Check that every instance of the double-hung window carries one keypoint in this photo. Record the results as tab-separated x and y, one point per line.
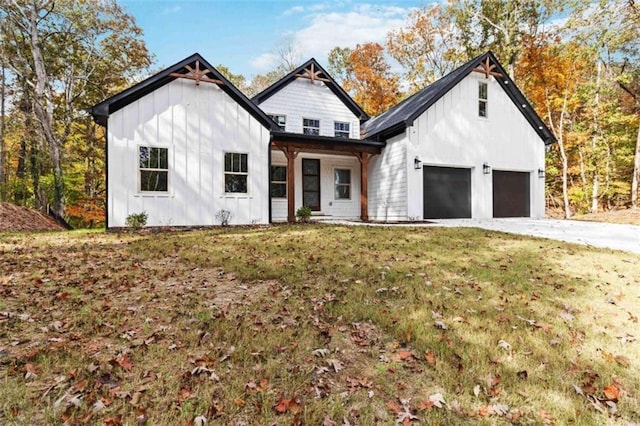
341	129
278	181
310	126
280	120
154	169
483	99
236	173
342	181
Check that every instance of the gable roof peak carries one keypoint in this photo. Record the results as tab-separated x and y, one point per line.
312	70
396	119
193	67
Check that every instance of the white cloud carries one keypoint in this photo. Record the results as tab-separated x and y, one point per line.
293	10
342	24
363	23
265	62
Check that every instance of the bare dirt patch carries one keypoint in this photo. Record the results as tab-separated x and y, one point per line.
19	219
626	216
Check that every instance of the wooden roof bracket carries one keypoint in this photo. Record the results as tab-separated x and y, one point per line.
196	74
312	74
486	68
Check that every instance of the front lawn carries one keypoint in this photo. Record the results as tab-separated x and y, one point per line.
316	324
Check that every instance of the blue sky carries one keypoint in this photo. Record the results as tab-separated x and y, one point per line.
242	34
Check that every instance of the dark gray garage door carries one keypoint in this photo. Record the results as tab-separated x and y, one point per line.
511	194
447	192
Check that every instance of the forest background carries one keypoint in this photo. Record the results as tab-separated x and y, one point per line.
577	62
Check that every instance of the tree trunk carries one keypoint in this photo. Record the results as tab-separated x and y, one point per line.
19	194
43	105
558	130
636	173
595	187
3	152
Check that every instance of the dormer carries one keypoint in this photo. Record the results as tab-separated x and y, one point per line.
309	101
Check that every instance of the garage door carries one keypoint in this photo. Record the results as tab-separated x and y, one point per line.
447	192
511	194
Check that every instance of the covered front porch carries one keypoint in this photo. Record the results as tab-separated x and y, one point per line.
326	174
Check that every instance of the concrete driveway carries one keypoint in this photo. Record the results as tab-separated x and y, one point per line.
597	234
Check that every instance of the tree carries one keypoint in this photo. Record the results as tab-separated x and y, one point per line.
500	26
367	76
237	80
552	73
425	48
60	50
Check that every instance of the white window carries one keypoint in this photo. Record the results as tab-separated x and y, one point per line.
154	169
342	180
280	120
483	99
278	181
341	129
310	126
236	172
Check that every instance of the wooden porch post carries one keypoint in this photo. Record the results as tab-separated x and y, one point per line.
291	184
364	199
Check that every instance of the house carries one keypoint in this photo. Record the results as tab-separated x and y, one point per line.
185	144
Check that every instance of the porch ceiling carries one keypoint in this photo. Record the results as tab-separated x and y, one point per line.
324	144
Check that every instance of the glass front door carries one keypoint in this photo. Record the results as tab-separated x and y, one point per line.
311	183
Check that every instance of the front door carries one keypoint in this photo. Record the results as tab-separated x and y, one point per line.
311	183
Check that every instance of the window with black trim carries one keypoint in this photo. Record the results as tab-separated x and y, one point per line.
341	130
154	169
280	120
342	179
310	126
278	181
236	172
483	99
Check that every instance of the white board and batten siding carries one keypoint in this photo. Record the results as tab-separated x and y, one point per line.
329	204
451	134
303	98
300	99
387	177
197	124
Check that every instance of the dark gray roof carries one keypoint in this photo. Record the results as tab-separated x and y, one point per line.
395	120
102	110
331	84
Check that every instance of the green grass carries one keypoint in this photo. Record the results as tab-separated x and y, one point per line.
224	323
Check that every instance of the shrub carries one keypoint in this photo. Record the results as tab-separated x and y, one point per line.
224	216
303	214
137	220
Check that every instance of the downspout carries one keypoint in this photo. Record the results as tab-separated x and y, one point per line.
106	175
269	174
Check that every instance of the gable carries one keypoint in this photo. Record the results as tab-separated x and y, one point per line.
313	72
397	119
186	67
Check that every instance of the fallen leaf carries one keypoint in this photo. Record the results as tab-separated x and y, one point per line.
476	390
239	402
124	361
404	355
500	409
623	360
320	352
612	393
430	357
438	400
504	345
394	407
337	365
328	422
